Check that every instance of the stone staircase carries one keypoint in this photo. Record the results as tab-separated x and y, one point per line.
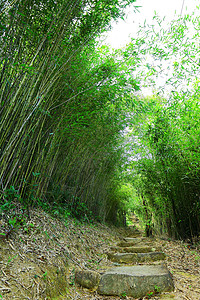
139	271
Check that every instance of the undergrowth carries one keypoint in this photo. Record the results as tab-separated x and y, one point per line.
16	211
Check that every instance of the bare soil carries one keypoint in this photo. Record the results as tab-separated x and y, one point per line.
38	259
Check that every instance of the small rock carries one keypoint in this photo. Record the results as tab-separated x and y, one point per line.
86	278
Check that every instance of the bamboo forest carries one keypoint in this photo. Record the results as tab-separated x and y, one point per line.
78	137
99	151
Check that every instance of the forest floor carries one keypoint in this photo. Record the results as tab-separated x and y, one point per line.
38	259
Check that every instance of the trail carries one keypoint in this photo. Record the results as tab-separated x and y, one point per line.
39	258
139	270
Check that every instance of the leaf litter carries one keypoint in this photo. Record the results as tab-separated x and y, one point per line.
40	263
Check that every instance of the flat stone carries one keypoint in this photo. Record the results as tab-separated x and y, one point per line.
139	249
135	240
87	279
126	244
132	243
168	297
135	281
136	257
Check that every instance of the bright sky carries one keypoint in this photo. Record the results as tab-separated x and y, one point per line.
122	30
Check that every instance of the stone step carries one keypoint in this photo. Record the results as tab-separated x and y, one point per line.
139	249
132	242
135	240
126	244
135	281
128	258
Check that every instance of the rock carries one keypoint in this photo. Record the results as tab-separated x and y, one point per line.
168	296
131	231
135	240
135	281
135	257
132	242
87	279
126	244
139	249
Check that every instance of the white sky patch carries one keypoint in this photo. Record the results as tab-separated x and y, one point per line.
122	31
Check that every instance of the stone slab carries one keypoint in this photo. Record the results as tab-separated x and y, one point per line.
135	281
126	244
136	257
132	243
134	249
135	240
86	278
